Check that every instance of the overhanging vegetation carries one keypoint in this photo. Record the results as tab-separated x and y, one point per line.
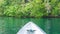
29	8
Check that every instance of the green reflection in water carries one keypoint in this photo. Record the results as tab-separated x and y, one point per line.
11	25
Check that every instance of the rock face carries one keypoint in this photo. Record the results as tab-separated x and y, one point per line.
30	28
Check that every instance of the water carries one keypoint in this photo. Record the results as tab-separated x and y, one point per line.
31	28
11	25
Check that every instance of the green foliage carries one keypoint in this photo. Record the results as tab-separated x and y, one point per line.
33	8
10	10
56	10
2	2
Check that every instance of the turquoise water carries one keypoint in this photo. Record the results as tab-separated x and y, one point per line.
11	25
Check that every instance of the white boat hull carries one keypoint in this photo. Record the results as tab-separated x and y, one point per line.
30	28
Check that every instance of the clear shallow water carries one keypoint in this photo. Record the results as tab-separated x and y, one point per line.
10	25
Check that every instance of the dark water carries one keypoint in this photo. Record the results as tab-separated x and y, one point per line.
10	25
